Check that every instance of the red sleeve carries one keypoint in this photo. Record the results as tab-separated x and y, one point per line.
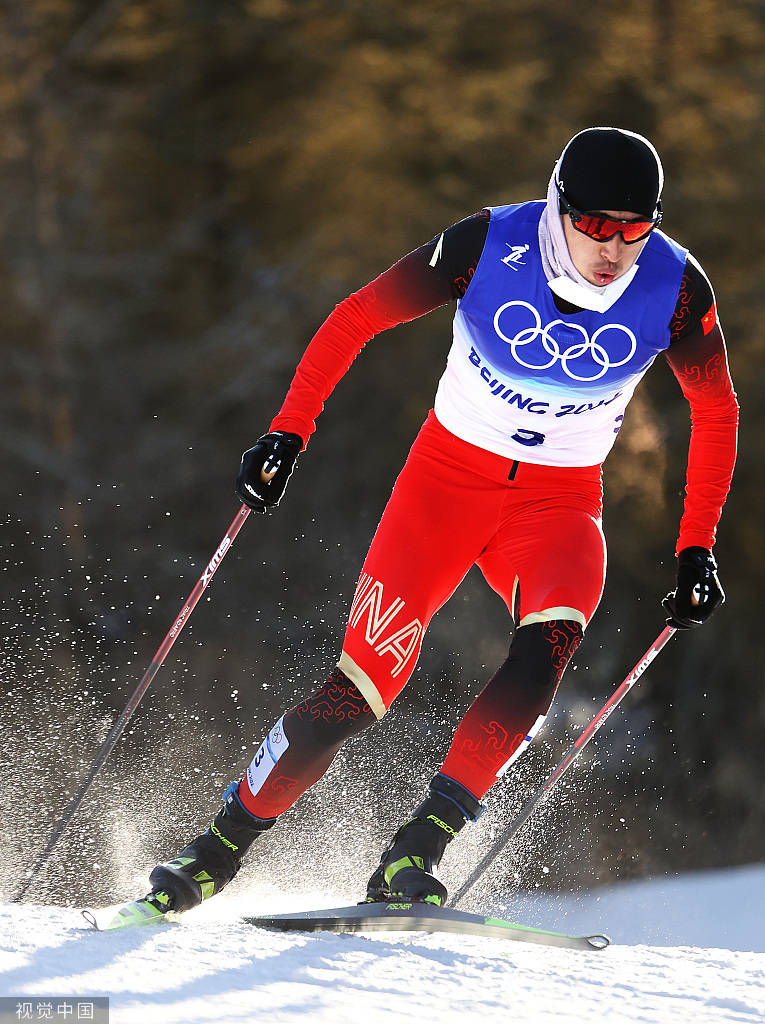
385	302
436	273
700	364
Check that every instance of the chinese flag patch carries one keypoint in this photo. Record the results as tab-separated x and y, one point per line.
709	319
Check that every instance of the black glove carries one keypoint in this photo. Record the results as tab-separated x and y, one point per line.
275	451
696	577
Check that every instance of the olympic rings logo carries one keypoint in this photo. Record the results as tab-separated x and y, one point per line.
588	346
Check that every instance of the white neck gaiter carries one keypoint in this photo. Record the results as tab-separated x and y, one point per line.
562	276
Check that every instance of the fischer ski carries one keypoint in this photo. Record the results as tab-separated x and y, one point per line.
364	917
420	917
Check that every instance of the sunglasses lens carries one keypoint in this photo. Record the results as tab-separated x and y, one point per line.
636	230
601	229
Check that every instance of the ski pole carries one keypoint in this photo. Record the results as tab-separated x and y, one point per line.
573	753
119	726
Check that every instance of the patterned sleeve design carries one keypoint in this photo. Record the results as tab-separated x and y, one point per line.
700	363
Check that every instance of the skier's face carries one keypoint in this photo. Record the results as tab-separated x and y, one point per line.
602	262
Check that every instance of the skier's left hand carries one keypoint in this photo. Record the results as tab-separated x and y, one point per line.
698	592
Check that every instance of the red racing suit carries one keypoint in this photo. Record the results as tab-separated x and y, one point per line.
533	529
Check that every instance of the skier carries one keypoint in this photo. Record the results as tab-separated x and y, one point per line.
562	305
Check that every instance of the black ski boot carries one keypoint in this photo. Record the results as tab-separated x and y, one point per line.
211	860
407	868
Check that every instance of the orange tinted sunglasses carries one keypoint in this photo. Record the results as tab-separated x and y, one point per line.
601	228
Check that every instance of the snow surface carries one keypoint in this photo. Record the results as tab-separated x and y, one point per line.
686	949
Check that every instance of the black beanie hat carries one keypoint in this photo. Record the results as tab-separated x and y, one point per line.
611	169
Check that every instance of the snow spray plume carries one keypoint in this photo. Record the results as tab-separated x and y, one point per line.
338	829
119	726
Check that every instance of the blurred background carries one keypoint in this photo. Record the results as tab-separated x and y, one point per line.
187	187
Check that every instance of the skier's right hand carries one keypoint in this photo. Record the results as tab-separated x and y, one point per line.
266	468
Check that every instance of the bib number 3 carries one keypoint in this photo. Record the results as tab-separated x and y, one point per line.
529	438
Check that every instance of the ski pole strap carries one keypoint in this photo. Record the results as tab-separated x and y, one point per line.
571	755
